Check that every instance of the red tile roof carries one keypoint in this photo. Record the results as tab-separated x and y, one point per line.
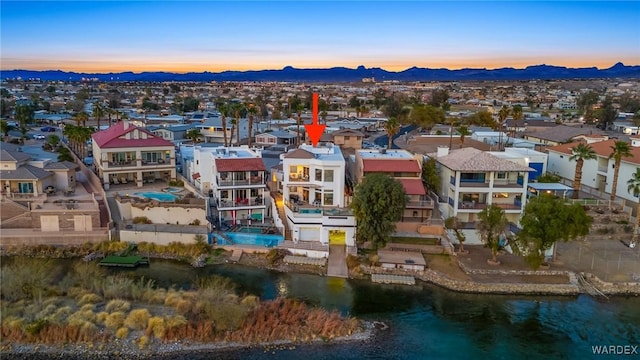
413	186
247	164
386	165
602	148
113	137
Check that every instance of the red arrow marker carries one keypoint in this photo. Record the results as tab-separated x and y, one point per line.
315	130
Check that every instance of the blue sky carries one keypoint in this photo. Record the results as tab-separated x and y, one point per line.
214	35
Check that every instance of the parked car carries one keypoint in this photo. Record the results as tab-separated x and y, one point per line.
48	129
38	137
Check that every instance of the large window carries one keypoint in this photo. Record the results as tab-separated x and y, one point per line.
318	174
501	175
328	175
472	177
328	198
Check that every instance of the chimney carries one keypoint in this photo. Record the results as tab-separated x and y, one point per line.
442	151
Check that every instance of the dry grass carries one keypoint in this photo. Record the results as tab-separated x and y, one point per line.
80	317
114	320
122	333
118	305
144	342
137	319
101	317
156	327
89	299
173	321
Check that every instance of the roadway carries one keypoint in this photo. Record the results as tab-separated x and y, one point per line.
384	139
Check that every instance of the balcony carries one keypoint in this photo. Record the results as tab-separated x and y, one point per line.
298	178
425	204
502	183
473	183
240	203
471	205
309	210
506	206
119	164
251	181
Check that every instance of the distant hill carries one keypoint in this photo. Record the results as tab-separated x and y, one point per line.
342	74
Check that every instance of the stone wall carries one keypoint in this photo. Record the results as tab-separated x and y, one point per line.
163	238
621	288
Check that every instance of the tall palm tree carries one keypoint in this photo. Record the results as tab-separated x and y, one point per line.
463	131
299	121
503	114
634	188
98	112
392	126
619	150
581	152
5	128
81	118
517	115
223	108
253	110
238	109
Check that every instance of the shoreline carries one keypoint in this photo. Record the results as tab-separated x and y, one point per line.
129	350
430	276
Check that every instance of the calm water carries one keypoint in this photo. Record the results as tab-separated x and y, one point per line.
427	322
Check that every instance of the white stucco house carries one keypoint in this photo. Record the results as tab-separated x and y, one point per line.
597	173
313	183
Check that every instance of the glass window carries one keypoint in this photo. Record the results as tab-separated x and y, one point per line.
318	174
502	175
224	194
328	175
328	198
293	169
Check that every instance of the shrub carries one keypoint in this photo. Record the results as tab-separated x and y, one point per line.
88	307
251	301
80	317
61	316
118	305
122	333
274	256
627	228
352	262
156	327
195	222
173	321
35	327
144	342
137	319
101	317
141	220
622	222
114	320
89	299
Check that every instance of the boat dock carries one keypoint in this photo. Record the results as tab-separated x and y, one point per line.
393	279
124	261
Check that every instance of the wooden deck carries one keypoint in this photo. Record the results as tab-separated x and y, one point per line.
393	279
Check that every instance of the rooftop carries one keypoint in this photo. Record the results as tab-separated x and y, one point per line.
471	159
324	151
391	165
602	148
385	154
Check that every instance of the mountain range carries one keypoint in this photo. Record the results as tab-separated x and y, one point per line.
342	74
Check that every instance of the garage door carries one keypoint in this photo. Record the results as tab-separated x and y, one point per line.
309	234
337	237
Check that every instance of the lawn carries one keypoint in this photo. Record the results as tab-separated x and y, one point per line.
414	240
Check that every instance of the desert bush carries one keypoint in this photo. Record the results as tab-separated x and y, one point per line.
627	229
122	333
88	275
118	305
36	326
144	342
61	315
114	320
141	220
352	262
88	299
172	298
101	317
80	317
118	286
48	311
183	307
274	256
88	307
622	222
173	321
26	278
137	319
156	326
250	301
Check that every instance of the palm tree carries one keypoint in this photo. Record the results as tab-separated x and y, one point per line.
237	109
392	126
581	152
464	131
491	224
634	188
503	114
98	112
194	134
223	108
516	113
81	118
253	110
619	150
299	111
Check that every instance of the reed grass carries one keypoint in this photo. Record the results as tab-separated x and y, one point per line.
137	319
118	305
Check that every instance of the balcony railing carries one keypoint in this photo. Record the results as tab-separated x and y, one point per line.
508	206
429	204
299	178
305	209
122	163
225	203
471	205
254	180
506	183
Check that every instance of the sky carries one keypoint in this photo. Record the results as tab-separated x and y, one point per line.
181	36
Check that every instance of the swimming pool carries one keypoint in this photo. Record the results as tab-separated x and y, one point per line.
246	238
155	195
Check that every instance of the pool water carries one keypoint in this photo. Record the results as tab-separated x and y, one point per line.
160	196
246	229
172	189
247	238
